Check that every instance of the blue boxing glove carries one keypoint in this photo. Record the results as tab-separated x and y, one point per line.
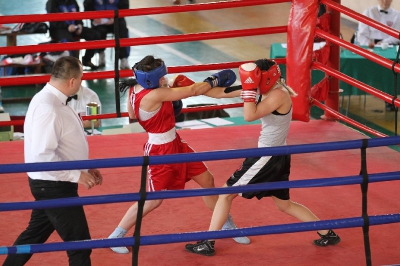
224	78
177	107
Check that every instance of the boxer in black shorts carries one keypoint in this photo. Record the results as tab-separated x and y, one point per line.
274	109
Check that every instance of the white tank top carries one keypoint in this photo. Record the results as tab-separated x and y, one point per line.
274	129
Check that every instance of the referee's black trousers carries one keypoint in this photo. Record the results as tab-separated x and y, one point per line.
69	222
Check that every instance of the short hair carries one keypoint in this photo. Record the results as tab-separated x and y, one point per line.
66	67
148	63
265	64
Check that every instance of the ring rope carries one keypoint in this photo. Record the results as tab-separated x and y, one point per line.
347	120
169	194
189	37
343	223
394	66
359	221
185	237
198	156
134	12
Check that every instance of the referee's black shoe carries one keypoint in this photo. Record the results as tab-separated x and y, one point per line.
205	248
331	238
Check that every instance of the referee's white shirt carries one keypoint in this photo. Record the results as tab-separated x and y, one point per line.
391	19
53	132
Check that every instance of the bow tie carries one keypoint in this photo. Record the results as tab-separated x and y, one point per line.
383	11
70	98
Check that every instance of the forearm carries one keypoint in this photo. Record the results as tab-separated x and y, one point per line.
199	88
249	111
220	92
391	40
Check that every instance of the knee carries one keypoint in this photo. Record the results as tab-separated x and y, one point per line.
205	180
209	180
227	197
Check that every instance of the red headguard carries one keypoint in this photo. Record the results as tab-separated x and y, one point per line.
270	74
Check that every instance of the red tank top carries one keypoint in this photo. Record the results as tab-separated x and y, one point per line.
161	122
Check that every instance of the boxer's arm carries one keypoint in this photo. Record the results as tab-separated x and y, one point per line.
221	92
156	97
129	107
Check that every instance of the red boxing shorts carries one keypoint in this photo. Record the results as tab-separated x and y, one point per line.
171	176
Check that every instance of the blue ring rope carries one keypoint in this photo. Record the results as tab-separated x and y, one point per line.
203	156
170	194
199	156
194	236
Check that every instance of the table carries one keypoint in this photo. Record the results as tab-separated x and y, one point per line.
12	37
355	66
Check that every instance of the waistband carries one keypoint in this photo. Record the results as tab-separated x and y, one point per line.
162	138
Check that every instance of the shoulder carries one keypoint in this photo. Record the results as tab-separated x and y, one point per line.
45	104
371	10
90	93
279	92
394	11
278	95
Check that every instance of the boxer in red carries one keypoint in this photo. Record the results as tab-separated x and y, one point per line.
151	103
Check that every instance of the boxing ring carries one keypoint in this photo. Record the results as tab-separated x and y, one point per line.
354	148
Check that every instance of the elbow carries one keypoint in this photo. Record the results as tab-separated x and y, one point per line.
248	118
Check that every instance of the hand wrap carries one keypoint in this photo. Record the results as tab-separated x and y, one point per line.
249	95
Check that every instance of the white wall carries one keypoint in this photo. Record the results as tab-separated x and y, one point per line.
360	5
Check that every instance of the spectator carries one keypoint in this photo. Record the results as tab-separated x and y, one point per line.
367	35
384	14
79	101
71	30
106	25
